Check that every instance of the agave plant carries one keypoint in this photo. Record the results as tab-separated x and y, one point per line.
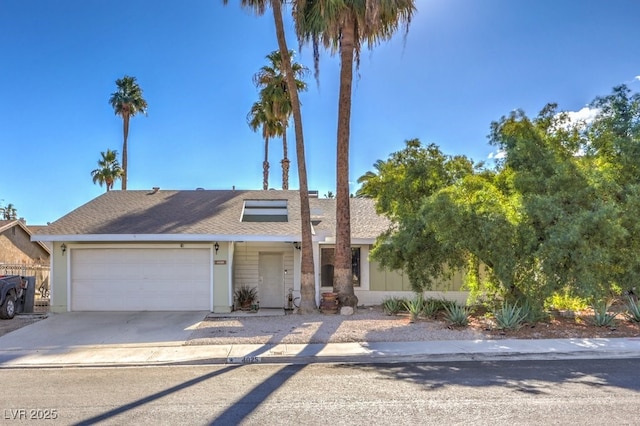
414	306
510	316
457	315
633	309
601	315
431	307
392	305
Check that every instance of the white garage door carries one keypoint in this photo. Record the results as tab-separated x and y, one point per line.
137	279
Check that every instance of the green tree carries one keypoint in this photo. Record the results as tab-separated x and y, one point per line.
274	95
260	117
343	26
127	101
307	275
9	212
108	170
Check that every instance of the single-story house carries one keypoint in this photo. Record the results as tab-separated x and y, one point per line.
16	247
164	250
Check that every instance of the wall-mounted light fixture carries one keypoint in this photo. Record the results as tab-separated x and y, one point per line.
216	246
63	247
296	245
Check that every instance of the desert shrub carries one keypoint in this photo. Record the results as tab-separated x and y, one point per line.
457	315
566	301
393	305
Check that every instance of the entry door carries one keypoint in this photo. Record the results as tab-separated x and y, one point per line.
271	280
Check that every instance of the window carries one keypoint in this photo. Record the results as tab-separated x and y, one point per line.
326	266
265	211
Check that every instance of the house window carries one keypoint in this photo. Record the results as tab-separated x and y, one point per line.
327	256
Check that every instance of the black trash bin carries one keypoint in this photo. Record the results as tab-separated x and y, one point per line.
28	296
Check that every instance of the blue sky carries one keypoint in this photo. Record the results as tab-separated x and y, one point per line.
464	64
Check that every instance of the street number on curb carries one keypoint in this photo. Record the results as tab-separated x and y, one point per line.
245	360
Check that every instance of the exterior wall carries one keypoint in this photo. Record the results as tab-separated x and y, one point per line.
59	281
384	284
222	269
246	264
16	247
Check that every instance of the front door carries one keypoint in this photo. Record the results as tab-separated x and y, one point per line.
271	280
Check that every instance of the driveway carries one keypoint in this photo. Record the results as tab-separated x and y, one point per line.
75	329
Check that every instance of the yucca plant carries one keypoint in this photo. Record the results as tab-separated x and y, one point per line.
510	316
414	306
633	309
392	305
601	315
457	315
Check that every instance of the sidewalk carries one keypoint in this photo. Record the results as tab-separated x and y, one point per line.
435	351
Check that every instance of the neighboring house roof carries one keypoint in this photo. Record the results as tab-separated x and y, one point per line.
163	215
8	224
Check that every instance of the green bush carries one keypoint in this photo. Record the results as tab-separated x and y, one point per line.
564	301
393	305
457	315
510	316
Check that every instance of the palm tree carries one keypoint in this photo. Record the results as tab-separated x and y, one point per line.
343	26
260	117
307	275
127	101
108	170
9	212
275	94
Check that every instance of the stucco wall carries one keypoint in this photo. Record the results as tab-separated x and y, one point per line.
16	247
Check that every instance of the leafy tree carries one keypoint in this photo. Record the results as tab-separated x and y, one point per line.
9	212
127	101
108	170
307	274
343	27
274	95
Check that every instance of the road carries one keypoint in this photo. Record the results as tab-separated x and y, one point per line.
515	392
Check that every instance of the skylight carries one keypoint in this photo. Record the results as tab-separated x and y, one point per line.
265	211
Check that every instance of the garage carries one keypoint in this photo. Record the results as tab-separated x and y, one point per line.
140	279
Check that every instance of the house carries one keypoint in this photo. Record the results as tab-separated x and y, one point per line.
189	250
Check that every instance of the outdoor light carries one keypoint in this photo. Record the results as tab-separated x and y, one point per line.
216	246
64	248
296	245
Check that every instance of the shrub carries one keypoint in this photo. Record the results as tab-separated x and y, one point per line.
393	305
456	314
601	315
565	301
633	309
510	316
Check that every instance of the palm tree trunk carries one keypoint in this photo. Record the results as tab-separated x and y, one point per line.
265	165
307	275
285	161
125	124
342	272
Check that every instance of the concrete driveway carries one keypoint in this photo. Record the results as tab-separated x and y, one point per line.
75	329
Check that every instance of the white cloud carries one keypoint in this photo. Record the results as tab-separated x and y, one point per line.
497	155
637	77
586	115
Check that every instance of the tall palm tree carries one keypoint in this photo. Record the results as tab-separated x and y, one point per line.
260	117
9	212
344	26
127	101
108	170
307	274
274	94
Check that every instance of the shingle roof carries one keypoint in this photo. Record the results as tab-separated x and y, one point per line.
202	212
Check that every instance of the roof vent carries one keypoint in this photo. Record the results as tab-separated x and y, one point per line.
199	189
154	190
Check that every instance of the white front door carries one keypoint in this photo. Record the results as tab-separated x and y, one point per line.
271	280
